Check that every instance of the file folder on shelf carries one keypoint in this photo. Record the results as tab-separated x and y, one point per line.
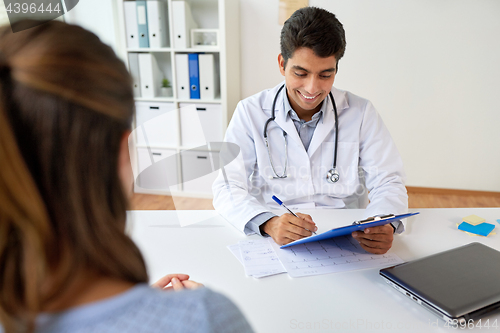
150	75
142	23
194	76
207	76
133	63
183	22
182	76
130	12
157	24
347	230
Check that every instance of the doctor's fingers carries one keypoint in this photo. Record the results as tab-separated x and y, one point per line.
300	222
381	229
306	217
386	238
288	232
375	247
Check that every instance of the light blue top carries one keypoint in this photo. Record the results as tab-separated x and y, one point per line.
146	309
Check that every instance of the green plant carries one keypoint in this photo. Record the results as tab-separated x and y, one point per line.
165	83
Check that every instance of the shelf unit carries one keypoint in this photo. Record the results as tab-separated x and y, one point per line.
208	14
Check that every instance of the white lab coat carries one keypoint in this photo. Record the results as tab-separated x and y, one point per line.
367	160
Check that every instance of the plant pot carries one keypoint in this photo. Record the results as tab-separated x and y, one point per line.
166	92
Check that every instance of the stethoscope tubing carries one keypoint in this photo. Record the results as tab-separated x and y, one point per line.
334	168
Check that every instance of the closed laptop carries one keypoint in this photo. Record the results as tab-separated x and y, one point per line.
458	285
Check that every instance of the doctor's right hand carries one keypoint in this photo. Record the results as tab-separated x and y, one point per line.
288	228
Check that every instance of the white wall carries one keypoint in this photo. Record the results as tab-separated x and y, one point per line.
431	67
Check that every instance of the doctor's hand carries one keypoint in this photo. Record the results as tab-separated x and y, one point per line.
288	228
178	281
376	240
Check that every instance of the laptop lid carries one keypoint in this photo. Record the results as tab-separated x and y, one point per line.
462	283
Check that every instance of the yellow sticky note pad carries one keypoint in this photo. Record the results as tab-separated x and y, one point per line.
473	219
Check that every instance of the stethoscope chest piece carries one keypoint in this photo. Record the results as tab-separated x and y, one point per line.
332	176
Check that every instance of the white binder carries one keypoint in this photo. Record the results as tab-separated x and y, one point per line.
157	23
133	63
183	22
182	76
207	76
129	8
150	75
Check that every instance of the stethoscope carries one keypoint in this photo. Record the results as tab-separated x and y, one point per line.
332	175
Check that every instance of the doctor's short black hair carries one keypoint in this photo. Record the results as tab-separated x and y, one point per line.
314	28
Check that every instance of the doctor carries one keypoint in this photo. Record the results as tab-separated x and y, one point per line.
322	152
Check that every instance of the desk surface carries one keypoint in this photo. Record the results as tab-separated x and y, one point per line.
349	301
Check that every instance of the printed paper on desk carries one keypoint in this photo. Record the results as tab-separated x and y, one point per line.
330	256
259	258
235	250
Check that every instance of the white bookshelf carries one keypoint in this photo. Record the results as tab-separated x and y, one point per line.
209	14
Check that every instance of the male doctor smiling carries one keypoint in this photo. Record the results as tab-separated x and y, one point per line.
302	139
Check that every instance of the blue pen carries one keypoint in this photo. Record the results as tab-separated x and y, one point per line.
275	198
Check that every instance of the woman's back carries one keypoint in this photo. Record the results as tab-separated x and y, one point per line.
145	309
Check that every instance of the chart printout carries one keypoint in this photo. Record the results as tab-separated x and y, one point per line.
332	255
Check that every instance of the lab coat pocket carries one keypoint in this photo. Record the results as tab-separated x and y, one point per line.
347	167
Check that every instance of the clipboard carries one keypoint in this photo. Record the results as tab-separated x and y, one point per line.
347	230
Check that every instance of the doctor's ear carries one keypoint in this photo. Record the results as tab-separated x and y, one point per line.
282	64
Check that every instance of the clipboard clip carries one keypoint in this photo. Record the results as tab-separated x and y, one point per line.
374	218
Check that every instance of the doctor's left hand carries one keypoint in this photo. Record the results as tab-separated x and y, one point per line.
376	240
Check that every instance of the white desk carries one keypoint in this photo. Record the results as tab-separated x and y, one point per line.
350	301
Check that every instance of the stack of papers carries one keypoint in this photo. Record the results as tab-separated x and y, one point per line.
263	257
475	225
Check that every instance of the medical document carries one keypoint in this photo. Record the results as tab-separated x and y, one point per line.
258	257
332	255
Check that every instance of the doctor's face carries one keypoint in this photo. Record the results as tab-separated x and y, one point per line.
309	79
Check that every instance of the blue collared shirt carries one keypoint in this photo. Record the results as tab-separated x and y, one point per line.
305	129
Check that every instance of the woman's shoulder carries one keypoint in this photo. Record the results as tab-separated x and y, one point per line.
148	309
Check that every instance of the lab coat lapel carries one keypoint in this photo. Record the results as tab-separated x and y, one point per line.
327	124
284	122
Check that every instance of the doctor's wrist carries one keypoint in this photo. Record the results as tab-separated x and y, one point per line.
264	227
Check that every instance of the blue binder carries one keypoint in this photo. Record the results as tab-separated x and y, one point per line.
194	76
347	230
142	23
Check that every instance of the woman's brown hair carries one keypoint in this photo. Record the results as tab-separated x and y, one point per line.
66	102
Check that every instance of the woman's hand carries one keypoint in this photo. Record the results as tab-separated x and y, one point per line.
177	281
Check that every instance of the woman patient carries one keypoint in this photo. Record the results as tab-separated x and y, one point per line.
66	265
